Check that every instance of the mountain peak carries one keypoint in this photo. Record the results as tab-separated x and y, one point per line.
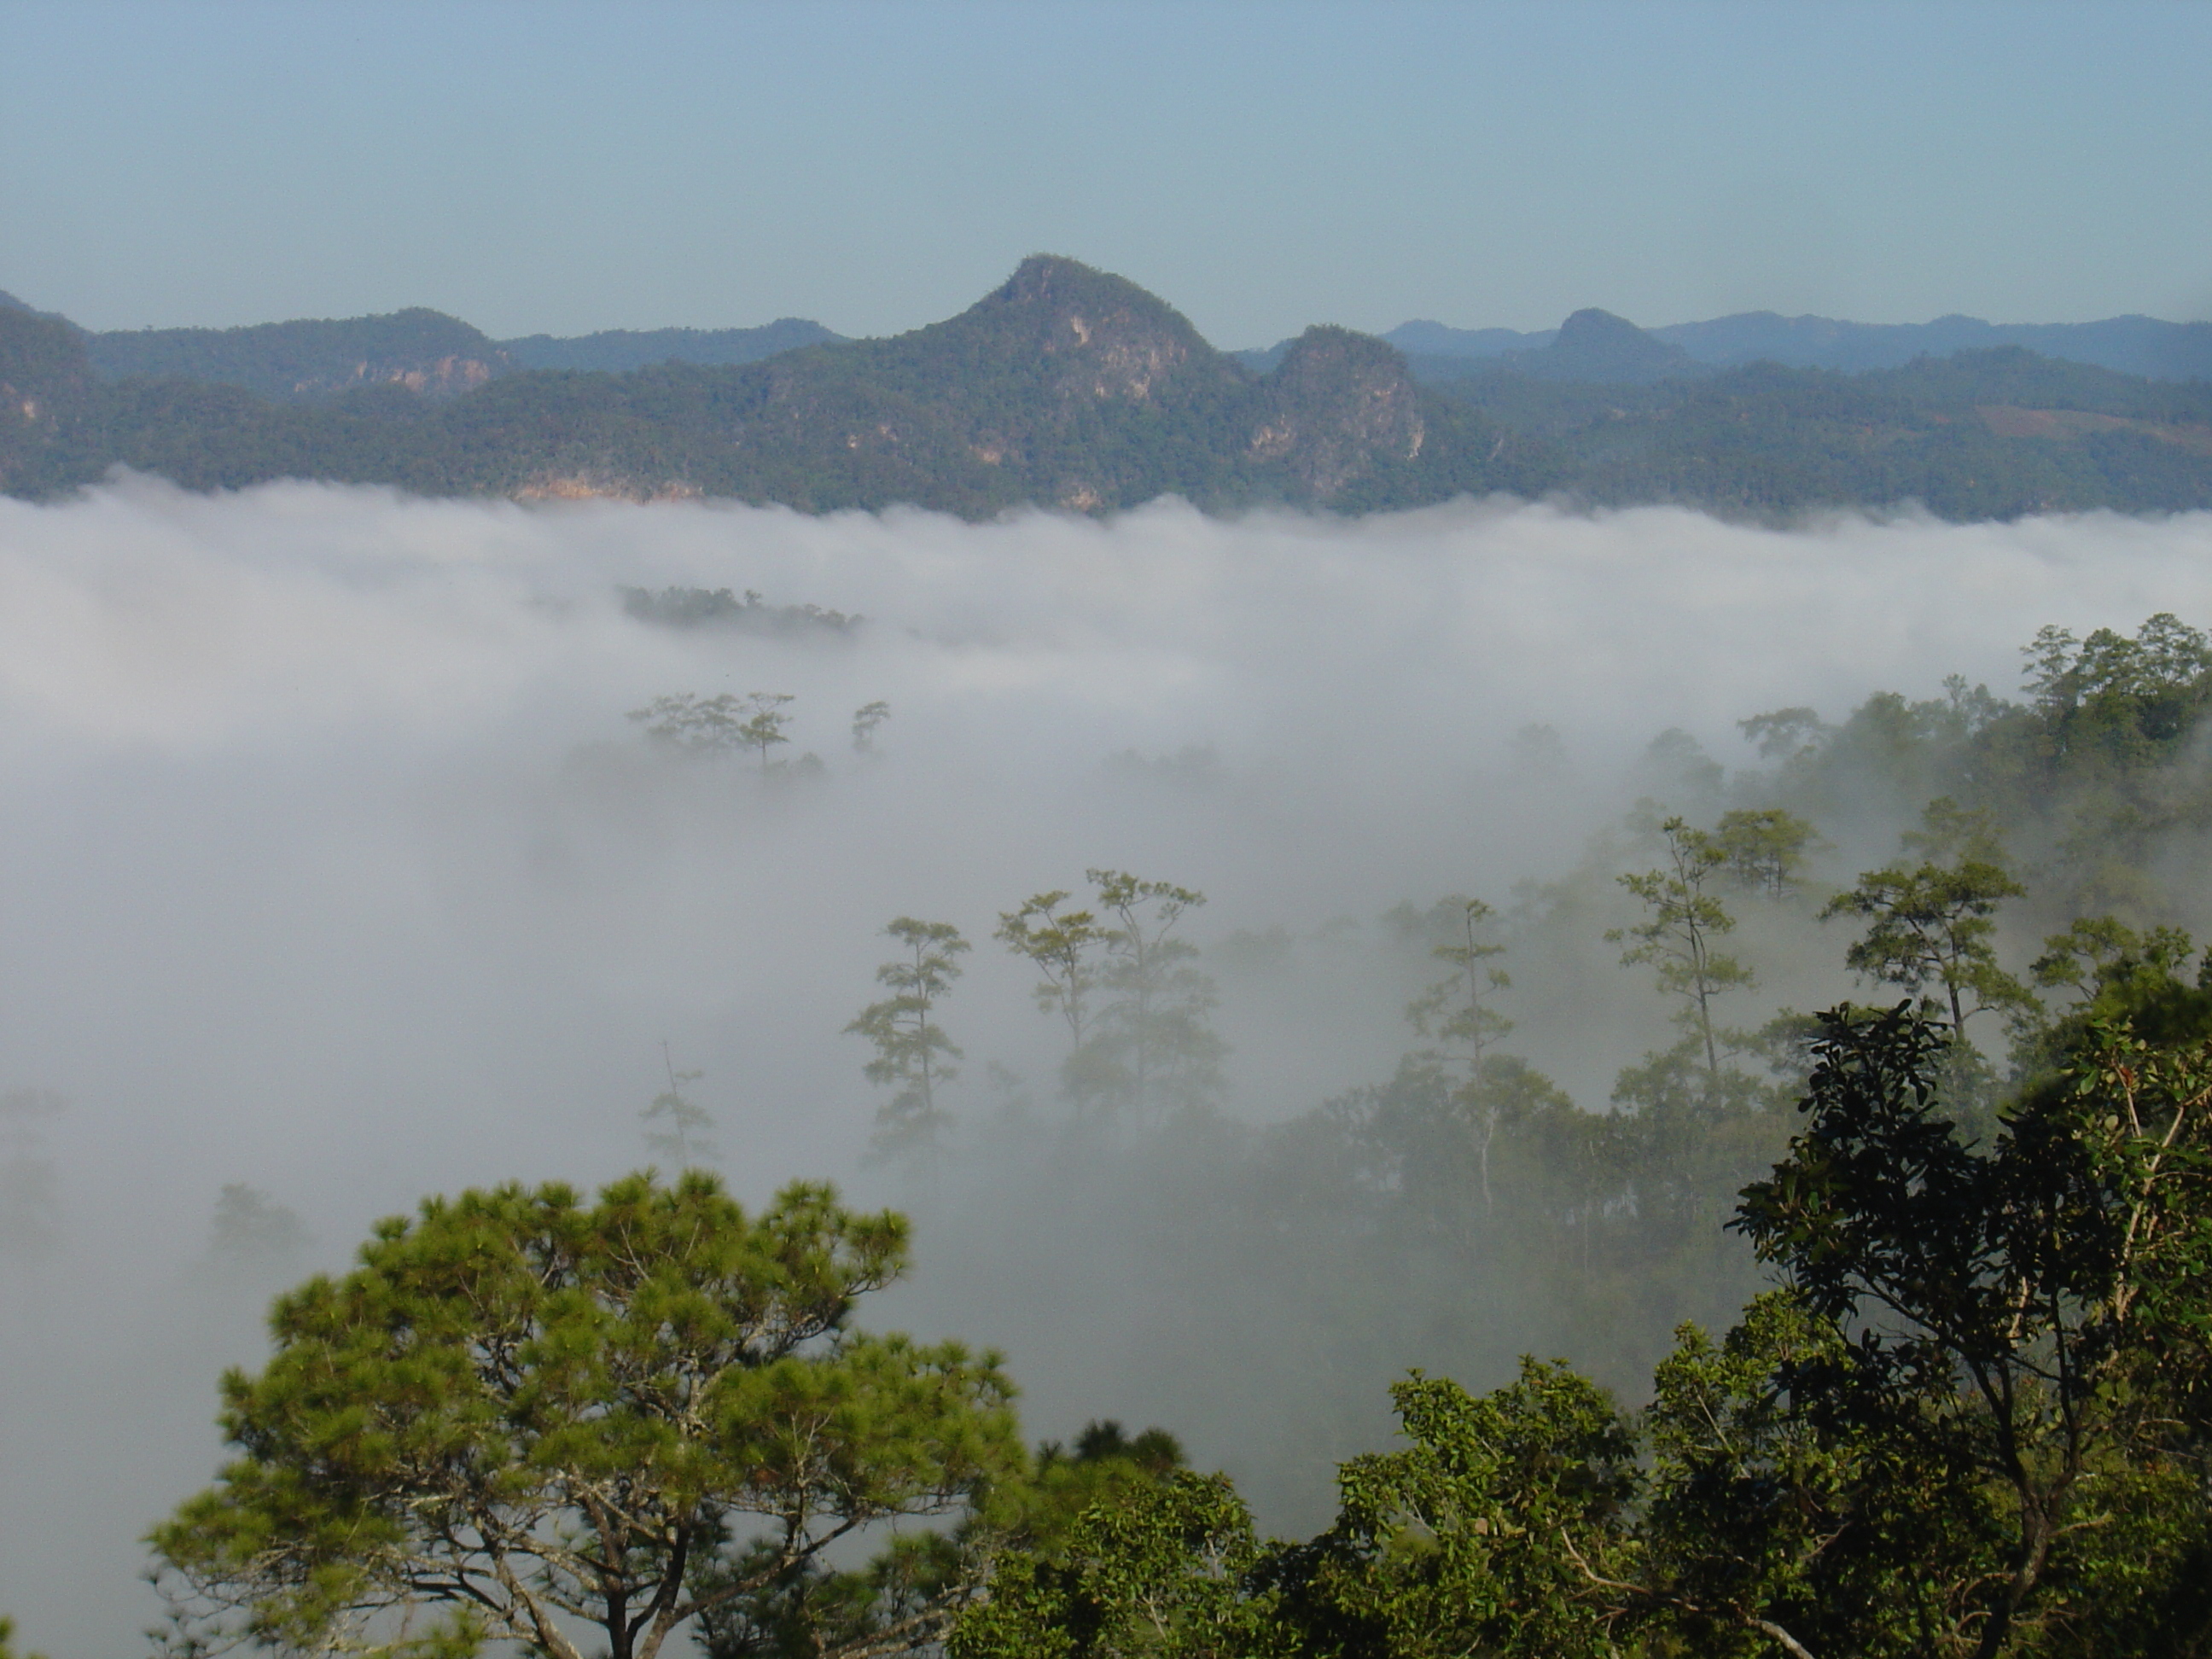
1596	345
1340	404
1106	337
1591	327
1059	287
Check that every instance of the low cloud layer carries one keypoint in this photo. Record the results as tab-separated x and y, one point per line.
332	866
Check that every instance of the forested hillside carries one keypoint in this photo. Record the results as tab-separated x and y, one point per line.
1900	1302
1065	387
421	350
1982	434
1073	389
622	350
2134	345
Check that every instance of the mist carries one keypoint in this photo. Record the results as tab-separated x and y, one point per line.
332	866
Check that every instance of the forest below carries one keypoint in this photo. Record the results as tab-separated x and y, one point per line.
1896	1306
1073	389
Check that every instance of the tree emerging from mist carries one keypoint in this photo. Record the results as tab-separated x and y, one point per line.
1137	1008
1940	1389
913	1057
690	724
676	1126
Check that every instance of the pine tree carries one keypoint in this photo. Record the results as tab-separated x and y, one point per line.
913	1055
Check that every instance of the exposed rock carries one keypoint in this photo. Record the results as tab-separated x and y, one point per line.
1338	405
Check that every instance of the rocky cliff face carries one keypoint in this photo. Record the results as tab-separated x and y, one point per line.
1093	394
425	351
1064	387
1101	338
45	385
1339	405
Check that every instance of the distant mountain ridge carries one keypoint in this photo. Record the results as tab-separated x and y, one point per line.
1071	388
1064	387
620	351
2156	351
440	355
420	349
1596	346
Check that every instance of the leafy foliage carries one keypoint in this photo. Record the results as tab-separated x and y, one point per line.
718	725
717	607
1676	938
522	1413
1994	1292
1153	1567
1929	924
1491	1533
1063	946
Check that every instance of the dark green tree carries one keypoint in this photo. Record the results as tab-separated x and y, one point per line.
1119	1550
249	1226
865	719
1992	1293
1772	1519
523	1417
1457	1012
1764	848
1503	1528
1930	925
692	724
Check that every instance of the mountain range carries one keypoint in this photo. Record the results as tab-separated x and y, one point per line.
1072	388
2133	345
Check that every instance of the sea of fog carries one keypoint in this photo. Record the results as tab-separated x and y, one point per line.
330	863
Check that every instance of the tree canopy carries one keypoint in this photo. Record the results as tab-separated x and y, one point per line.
525	1414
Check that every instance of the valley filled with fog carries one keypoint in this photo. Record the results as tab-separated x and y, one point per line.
333	866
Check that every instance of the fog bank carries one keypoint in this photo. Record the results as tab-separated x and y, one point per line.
331	865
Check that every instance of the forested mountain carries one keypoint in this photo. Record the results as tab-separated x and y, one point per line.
2134	345
621	349
1597	346
422	350
1065	387
1071	388
1981	434
45	396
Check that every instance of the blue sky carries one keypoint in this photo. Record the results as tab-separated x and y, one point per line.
564	168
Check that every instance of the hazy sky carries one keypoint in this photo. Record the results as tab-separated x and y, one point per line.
567	167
